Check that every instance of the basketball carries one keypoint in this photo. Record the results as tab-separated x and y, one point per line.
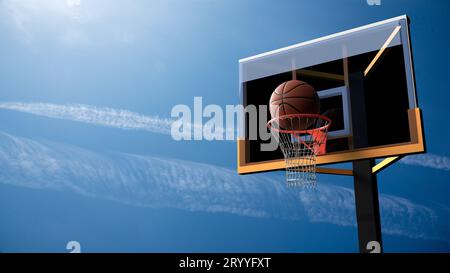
294	97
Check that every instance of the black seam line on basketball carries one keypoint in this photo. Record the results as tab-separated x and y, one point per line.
293	107
275	91
303	83
306	98
284	110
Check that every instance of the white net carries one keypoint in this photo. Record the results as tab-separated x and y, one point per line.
301	137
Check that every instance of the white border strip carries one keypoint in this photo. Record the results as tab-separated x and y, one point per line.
265	54
343	92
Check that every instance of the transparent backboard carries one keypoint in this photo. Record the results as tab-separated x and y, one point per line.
365	80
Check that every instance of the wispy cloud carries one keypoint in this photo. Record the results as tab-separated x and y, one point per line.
125	119
104	116
162	183
116	118
428	160
141	180
400	216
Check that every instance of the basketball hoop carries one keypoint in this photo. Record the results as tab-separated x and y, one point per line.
302	137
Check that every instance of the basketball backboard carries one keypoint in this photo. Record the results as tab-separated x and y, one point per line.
365	80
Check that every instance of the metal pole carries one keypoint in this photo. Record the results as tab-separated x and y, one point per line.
367	205
365	181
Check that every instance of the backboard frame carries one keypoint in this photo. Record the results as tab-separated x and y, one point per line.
415	145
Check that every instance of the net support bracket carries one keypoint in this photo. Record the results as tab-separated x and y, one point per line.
388	161
334	171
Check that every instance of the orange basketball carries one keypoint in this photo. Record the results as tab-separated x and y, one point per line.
294	97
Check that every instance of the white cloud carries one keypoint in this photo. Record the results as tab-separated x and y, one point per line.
110	117
400	216
428	160
124	119
103	116
167	183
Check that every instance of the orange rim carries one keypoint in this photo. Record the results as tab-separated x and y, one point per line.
305	131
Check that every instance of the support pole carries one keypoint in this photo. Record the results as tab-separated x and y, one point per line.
365	181
366	203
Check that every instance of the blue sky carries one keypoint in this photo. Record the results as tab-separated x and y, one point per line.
66	175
